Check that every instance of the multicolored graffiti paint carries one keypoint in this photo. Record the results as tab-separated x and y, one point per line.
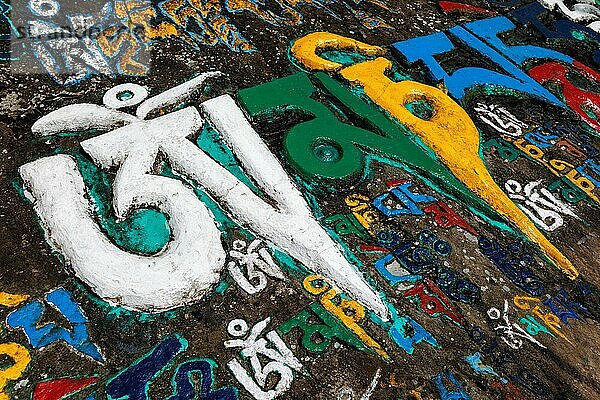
345	200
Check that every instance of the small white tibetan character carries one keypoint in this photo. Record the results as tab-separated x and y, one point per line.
253	349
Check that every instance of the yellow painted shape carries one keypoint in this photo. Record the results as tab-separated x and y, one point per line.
453	137
21	358
306	49
417	393
551	320
349	312
583	183
138	13
111	45
557	167
358	202
12	300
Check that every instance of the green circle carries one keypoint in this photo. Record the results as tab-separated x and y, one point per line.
327	152
125	95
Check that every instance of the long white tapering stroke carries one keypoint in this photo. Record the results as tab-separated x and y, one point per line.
293	227
289	225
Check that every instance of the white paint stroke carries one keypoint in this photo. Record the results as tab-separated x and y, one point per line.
175	95
166	280
584	12
80	117
371	389
289	225
253	347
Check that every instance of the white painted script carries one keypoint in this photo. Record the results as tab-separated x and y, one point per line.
190	264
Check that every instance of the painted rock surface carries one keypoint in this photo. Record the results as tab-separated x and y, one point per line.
348	200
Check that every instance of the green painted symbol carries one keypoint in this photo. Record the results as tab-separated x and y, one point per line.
365	131
125	95
327	152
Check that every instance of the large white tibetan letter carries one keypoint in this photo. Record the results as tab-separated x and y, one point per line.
190	264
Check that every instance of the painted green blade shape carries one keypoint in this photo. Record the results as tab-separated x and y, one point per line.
351	143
